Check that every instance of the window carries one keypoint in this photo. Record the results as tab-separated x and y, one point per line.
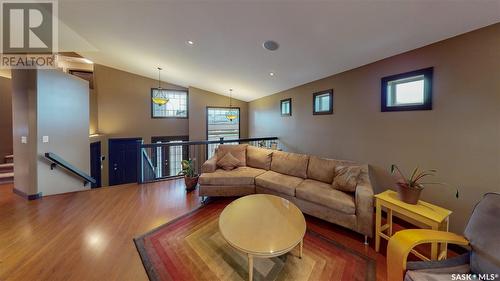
218	126
323	102
286	107
176	107
407	91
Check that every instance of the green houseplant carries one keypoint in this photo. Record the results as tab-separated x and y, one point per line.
190	177
410	188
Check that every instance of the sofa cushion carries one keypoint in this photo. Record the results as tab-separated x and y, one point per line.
291	164
346	178
239	151
278	182
228	162
238	176
259	157
321	169
322	193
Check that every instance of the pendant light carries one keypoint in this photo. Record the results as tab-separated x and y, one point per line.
159	99
231	114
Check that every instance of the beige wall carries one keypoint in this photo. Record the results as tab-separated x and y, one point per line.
124	106
199	100
24	125
63	116
460	137
66	66
5	118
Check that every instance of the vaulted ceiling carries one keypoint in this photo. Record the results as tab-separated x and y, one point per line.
317	38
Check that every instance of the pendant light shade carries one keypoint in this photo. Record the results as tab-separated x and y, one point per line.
231	114
158	98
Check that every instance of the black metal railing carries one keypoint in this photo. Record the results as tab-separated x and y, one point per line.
58	161
160	161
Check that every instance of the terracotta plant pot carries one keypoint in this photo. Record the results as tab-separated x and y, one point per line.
191	182
407	194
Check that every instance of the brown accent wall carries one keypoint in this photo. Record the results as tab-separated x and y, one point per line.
460	137
199	100
5	118
124	106
123	110
24	125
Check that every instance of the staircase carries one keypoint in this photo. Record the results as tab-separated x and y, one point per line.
7	170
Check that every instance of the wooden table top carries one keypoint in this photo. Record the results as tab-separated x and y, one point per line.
262	225
422	208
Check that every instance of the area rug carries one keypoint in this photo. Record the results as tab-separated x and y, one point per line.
191	248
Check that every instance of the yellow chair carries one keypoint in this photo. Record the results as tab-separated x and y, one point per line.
481	234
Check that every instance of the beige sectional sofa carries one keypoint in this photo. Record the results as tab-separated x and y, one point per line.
304	180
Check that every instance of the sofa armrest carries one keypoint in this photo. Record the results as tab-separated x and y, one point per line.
210	165
364	208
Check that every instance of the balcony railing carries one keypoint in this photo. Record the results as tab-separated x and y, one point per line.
160	161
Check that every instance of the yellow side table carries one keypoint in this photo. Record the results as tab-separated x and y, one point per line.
423	214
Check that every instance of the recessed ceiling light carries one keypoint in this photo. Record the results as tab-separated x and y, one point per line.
270	45
189	42
271	73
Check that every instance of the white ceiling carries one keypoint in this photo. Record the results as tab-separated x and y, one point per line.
317	38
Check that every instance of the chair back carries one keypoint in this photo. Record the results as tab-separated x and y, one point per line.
483	232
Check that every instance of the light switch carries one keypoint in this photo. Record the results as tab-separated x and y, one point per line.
45	139
24	139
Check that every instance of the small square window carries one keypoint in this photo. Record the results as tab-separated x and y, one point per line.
286	107
407	91
323	102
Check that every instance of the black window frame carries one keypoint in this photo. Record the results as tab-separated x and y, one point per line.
330	111
428	74
289	100
170	117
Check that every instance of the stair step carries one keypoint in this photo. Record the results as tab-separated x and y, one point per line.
9	158
6	178
7	166
6	175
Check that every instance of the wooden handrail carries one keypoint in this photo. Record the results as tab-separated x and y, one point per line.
56	160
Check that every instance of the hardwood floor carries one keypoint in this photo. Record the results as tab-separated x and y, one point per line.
88	235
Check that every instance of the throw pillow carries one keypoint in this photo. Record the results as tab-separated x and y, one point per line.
228	162
346	178
238	151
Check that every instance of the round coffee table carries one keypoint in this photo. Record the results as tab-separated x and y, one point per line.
263	226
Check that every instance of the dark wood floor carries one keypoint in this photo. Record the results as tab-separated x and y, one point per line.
88	235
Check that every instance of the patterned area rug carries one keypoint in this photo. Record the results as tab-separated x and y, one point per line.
191	248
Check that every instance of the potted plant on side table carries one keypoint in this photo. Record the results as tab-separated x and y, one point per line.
409	188
190	177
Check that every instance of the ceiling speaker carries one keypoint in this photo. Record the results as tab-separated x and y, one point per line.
270	45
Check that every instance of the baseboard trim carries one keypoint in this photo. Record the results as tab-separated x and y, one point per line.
26	196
